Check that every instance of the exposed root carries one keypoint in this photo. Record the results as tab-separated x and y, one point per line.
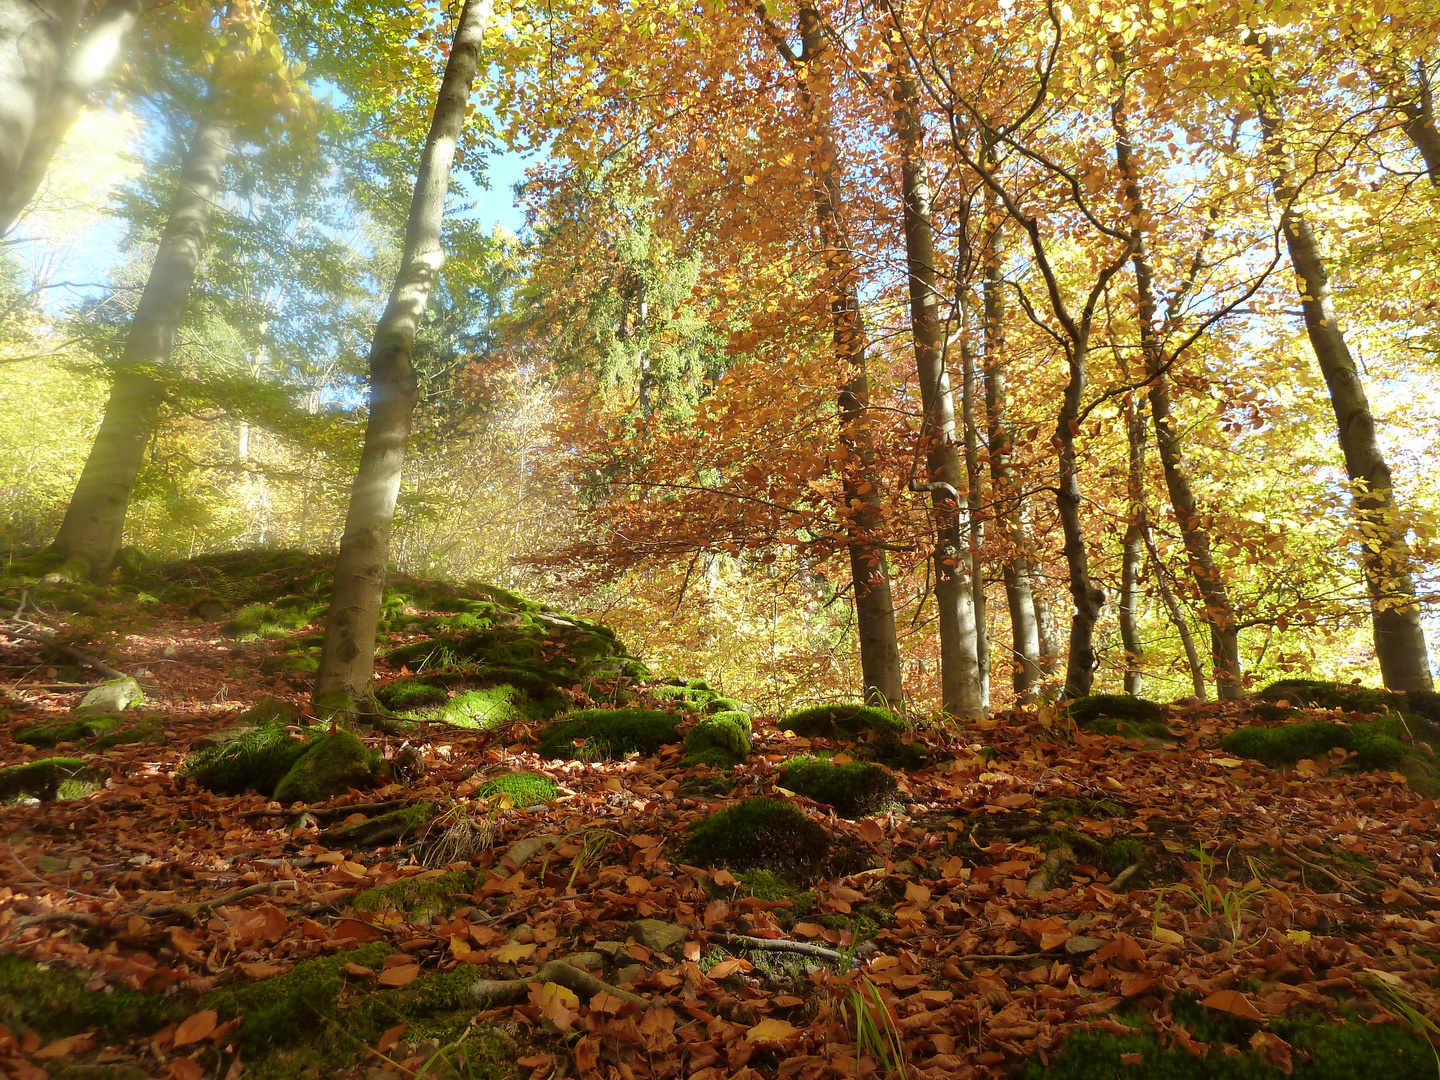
492	994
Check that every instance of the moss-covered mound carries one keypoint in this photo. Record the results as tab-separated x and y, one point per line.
256	761
1321	694
427	895
390	828
521	788
841	721
333	764
1119	714
608	734
48	778
274	620
410	694
97	732
53	1002
489	708
721	740
760	834
854	789
697	695
1377	745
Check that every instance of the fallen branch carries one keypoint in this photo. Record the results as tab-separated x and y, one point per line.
47	637
80	918
190	911
1123	876
994	958
66	687
494	993
802	948
1312	866
330	811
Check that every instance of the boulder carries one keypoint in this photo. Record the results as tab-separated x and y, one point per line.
113	696
658	936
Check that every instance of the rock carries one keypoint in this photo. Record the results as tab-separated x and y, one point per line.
335	762
610	949
658	936
117	695
225	735
586	961
1083	946
210	609
170	652
628	973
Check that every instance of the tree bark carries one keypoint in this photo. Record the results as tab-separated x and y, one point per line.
1395	611
1417	105
90	62
35	37
1133	557
1209	580
94	523
959	646
347	657
974	514
869	567
1010	504
1187	640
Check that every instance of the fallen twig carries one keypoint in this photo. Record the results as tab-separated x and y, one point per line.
190	911
803	948
1123	876
493	993
35	632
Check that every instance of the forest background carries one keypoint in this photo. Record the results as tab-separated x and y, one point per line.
640	405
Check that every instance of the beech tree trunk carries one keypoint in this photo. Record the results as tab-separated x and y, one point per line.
1187	640
1009	503
1395	611
1417	104
1209	580
1133	557
94	523
35	37
347	657
974	514
90	62
961	686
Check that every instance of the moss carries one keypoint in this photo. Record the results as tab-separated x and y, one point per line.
1123	853
271	620
854	790
1119	714
1066	808
767	885
762	834
841	721
388	828
334	763
54	1002
1273	714
50	732
48	778
610	733
485	709
725	704
522	788
1287	744
419	896
1322	1051
269	711
722	740
256	761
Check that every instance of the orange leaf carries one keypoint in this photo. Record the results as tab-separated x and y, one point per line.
73	1044
729	967
391	1037
1234	1002
1136	985
355	930
194	1028
401	976
511	954
186	1069
771	1031
870	831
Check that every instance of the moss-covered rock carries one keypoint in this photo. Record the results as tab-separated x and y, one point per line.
1323	694
277	619
100	732
333	764
1376	745
390	828
269	711
423	896
1119	714
760	833
52	1001
841	721
721	740
853	789
484	709
521	788
49	778
256	761
720	704
608	734
410	694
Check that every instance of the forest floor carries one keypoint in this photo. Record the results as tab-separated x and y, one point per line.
1269	922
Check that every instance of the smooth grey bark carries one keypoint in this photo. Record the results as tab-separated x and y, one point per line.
35	37
960	679
94	523
1395	611
869	566
1417	104
1209	579
974	513
1187	640
1045	625
91	61
347	657
1010	503
1133	554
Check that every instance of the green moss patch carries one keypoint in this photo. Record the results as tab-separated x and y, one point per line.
407	695
49	778
256	761
53	1001
854	789
419	896
1120	714
99	732
521	788
760	834
333	764
721	740
485	709
841	721
389	828
1379	744
608	734
255	621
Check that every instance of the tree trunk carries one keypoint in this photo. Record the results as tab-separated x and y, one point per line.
959	646
35	37
1209	580
1009	504
1087	597
869	567
1395	612
1192	657
1418	107
973	511
90	62
1133	557
1045	627
347	658
94	522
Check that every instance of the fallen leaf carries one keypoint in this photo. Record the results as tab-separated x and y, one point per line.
512	954
391	1037
401	976
1166	936
870	831
1275	1050
771	1030
71	1044
194	1028
726	968
186	1069
1234	1002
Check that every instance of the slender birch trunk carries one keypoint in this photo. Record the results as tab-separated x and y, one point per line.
91	61
1395	611
869	566
961	685
1010	507
347	657
94	523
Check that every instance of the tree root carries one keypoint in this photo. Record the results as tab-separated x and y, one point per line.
192	911
494	993
802	948
34	632
1123	876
